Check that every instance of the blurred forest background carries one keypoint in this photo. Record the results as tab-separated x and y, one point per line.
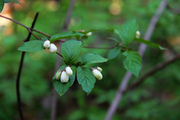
158	98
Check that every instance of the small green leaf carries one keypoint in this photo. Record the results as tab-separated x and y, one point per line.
116	31
132	62
44	38
149	43
92	58
114	39
127	31
64	35
86	79
60	87
16	1
32	46
113	53
7	1
1	5
70	50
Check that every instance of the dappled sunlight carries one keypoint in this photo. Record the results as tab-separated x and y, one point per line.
116	7
174	40
8	13
52	5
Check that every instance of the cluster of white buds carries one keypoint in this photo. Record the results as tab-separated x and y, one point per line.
50	46
63	76
97	73
89	34
138	34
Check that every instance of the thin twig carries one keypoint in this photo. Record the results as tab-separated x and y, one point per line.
59	54
173	10
58	60
141	50
41	32
25	26
19	73
34	35
92	47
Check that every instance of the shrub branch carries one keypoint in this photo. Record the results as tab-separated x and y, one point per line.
19	72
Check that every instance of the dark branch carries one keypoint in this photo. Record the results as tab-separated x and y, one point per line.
19	73
25	26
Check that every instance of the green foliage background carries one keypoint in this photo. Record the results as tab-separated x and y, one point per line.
157	98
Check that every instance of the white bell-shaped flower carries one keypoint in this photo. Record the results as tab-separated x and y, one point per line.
53	48
100	69
138	34
89	34
58	75
64	77
69	70
46	44
97	74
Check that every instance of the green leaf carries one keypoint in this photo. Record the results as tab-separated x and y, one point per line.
127	31
86	79
32	46
44	38
149	43
70	50
116	31
7	1
60	87
114	39
64	35
1	5
113	53
132	62
92	58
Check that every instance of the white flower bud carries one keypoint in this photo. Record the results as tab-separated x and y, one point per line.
64	77
100	69
58	74
138	34
69	70
53	48
89	34
97	74
46	44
